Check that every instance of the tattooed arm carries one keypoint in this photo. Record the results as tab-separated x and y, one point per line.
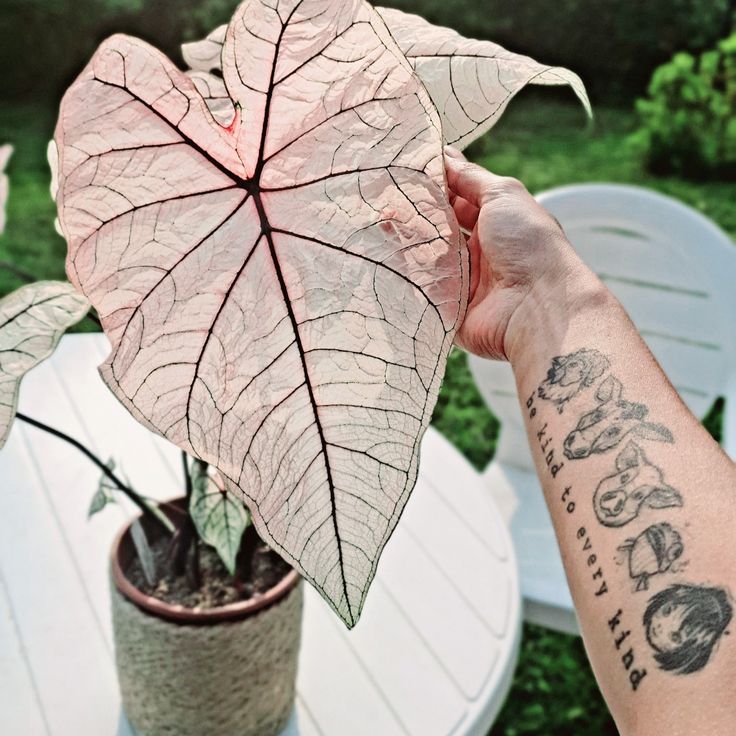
642	499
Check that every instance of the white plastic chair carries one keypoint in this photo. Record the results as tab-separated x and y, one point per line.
675	272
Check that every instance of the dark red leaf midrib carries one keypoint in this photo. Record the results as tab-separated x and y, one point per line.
268	232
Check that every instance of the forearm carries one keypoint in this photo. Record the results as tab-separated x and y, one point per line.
642	500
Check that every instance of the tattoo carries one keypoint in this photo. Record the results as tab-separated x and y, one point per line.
613	419
683	625
545	440
622	644
636	483
654	551
570	374
591	560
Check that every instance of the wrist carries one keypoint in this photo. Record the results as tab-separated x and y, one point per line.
564	297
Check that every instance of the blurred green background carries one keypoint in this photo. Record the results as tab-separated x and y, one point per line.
544	140
613	44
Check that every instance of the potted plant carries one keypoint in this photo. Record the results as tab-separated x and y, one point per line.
267	242
203	634
192	584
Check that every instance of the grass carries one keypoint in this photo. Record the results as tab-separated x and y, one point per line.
545	142
30	241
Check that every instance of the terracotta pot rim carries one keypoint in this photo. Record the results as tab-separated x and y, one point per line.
181	614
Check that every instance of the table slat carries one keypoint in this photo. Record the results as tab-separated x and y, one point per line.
20	707
71	665
452	632
341	697
481	579
417	686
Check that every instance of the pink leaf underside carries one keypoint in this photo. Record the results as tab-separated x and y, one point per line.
5	153
281	294
471	82
32	320
213	90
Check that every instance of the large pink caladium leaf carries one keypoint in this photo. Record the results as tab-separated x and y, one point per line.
32	320
5	153
280	294
213	89
471	82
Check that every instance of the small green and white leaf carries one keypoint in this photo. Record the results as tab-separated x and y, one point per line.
145	554
104	494
220	519
32	320
101	498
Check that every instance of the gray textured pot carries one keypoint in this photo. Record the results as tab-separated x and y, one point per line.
228	671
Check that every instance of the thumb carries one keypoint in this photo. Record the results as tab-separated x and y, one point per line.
455	153
471	182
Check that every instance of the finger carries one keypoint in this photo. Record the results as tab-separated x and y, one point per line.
475	256
455	153
471	182
466	213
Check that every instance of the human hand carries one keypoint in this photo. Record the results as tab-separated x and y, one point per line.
519	256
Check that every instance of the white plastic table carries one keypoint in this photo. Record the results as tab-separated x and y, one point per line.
433	654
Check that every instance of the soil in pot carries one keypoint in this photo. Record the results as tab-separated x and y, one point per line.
259	570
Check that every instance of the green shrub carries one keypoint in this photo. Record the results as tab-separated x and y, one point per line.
688	121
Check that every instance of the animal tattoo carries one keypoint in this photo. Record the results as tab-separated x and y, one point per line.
653	552
636	483
683	625
570	374
612	420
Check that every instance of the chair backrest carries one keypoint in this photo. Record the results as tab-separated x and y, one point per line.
675	273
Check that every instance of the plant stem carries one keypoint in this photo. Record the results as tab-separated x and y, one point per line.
247	552
138	500
187	474
185	537
196	542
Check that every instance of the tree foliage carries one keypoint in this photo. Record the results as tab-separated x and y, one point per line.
613	44
689	117
51	40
